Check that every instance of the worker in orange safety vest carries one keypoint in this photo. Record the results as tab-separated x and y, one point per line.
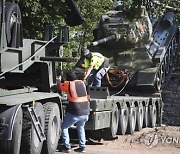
78	110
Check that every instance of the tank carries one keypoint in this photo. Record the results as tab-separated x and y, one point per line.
141	50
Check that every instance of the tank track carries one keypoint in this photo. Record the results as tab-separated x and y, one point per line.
166	66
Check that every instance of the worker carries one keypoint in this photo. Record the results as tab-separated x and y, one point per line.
77	113
96	66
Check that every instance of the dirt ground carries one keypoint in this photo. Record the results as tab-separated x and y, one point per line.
159	140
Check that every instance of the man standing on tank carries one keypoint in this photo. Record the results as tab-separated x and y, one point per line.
78	111
96	66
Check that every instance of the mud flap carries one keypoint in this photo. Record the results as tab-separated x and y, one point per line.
7	121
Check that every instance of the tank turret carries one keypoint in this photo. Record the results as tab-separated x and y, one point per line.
119	28
145	51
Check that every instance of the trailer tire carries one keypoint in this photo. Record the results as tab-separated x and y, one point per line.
139	117
110	133
94	135
13	15
152	115
13	146
30	143
123	120
146	117
52	127
131	120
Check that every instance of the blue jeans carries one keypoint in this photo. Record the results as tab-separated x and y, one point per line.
96	76
70	120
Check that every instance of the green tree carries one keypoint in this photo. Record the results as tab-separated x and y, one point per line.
81	36
37	13
91	12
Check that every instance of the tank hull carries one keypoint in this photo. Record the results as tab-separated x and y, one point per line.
148	63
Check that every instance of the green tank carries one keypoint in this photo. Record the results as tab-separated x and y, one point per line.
141	50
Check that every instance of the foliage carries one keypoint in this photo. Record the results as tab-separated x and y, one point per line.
37	13
81	36
91	12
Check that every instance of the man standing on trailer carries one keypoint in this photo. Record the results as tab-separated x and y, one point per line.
78	111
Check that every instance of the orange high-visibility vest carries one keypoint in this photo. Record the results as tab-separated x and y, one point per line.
71	88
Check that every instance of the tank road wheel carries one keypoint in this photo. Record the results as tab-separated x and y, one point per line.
30	143
52	127
13	146
110	133
168	61
152	115
13	19
163	72
139	117
158	81
172	51
160	77
123	120
131	120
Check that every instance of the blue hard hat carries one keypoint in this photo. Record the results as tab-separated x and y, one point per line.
85	52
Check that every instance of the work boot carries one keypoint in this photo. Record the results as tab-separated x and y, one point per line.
65	150
80	149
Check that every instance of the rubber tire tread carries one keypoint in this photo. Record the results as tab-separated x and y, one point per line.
110	133
9	9
139	123
13	146
51	109
146	117
131	126
152	117
27	146
123	128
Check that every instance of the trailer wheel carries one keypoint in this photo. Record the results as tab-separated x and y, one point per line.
131	120
139	117
123	120
12	16
13	146
30	142
52	127
110	133
94	135
146	117
152	115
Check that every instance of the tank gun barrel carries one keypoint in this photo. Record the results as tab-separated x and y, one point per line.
106	39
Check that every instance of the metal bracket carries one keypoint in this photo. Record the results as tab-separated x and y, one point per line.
37	125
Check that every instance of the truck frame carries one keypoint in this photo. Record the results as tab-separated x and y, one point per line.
30	108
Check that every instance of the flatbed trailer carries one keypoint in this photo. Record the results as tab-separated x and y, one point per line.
112	115
119	115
